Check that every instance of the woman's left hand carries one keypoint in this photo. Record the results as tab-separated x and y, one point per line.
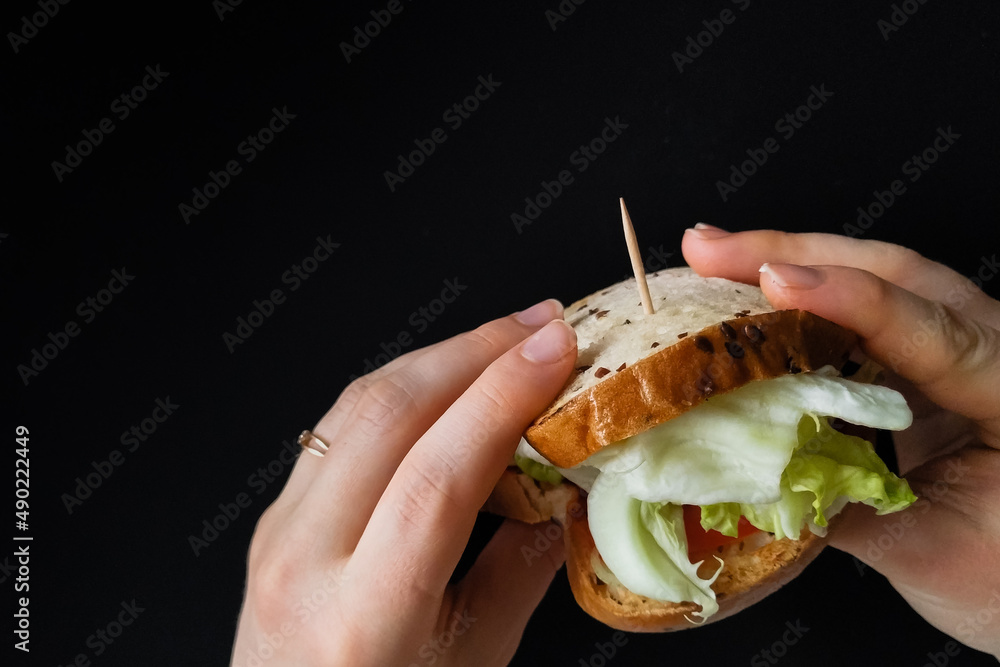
351	564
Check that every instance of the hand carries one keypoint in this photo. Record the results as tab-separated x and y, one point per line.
350	565
938	336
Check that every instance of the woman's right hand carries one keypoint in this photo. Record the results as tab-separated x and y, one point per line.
938	337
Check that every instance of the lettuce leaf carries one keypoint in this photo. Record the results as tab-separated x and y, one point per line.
537	470
761	451
644	546
826	469
734	447
582	475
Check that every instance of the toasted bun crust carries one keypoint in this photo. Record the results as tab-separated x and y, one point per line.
634	371
616	400
518	496
746	578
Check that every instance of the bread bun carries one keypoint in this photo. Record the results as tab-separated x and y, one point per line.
634	371
707	337
748	576
519	496
751	570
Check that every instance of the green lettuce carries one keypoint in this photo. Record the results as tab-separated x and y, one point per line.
735	446
536	470
761	451
826	469
647	551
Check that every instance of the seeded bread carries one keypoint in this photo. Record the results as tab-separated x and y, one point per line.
707	336
518	496
634	371
751	571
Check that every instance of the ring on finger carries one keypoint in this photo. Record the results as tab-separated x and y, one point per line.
313	444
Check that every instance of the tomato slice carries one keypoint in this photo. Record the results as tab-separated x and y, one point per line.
703	543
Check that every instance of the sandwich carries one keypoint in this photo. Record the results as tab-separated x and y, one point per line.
692	458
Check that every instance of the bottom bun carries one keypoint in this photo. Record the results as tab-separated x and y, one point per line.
748	576
518	496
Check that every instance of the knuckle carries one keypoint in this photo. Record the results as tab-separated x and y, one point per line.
414	511
496	400
781	237
944	344
973	344
353	646
781	243
426	490
283	589
496	409
273	576
486	338
905	257
260	544
962	482
901	263
354	391
383	403
273	583
877	290
345	403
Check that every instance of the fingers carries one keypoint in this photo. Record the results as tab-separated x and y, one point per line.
952	359
346	402
327	428
307	467
956	494
391	413
423	520
929	551
713	252
505	586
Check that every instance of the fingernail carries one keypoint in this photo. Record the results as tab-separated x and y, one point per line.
793	275
706	232
550	344
541	313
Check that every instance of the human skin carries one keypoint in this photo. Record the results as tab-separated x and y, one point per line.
936	334
352	562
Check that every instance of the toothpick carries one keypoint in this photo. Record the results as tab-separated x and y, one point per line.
634	254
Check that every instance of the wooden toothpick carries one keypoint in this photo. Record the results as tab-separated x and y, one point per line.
636	256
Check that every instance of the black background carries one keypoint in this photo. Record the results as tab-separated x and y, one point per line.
323	176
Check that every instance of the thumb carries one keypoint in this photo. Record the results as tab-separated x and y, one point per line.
928	551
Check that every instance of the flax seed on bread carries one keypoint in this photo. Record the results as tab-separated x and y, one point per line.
707	336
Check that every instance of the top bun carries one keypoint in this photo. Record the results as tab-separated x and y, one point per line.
634	371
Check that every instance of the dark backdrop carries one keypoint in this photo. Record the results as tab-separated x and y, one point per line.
217	74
